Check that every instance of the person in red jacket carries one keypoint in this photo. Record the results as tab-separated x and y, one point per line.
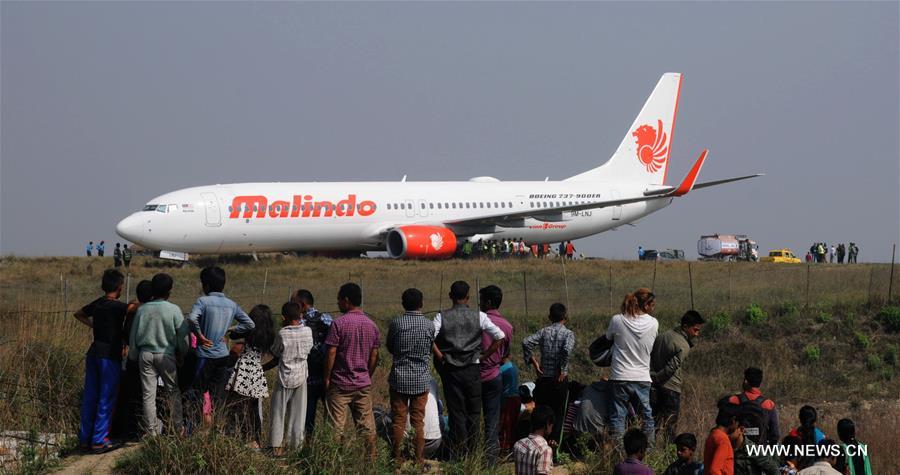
718	455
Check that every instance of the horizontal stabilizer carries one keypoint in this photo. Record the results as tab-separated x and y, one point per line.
707	184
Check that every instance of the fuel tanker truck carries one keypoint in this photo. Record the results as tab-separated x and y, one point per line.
727	247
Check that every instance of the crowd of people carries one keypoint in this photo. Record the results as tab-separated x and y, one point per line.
186	361
821	253
506	248
121	255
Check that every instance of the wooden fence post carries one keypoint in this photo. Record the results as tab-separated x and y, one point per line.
609	283
525	292
691	283
265	281
566	282
891	283
807	284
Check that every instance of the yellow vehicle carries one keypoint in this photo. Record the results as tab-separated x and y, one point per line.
781	255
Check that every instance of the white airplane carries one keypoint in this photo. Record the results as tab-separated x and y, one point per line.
425	219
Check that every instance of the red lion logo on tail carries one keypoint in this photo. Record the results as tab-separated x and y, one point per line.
652	146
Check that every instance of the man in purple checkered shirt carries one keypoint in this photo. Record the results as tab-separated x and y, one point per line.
352	355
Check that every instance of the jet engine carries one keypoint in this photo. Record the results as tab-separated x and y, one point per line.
421	242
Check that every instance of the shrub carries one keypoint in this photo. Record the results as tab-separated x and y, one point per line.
812	353
717	323
861	340
850	320
890	318
890	355
823	318
873	363
756	315
887	374
789	308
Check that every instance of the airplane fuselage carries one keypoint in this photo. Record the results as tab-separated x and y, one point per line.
345	216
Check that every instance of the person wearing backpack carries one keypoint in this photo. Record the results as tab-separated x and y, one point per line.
632	332
117	256
126	256
320	324
670	350
763	426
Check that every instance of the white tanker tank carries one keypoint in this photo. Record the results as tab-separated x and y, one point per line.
727	247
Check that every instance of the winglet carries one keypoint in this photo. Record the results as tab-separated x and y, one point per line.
688	183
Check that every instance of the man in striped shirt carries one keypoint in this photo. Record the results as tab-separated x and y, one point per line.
409	340
533	455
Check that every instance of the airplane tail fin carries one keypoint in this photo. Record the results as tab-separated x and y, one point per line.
643	155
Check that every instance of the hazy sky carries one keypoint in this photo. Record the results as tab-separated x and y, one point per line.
106	105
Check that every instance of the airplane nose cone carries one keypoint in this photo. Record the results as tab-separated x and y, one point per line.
130	228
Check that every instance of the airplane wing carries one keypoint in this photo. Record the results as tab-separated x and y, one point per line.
555	214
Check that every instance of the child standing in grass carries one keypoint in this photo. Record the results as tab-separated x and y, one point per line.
103	362
290	351
556	343
686	445
509	411
247	384
128	407
158	335
533	455
635	443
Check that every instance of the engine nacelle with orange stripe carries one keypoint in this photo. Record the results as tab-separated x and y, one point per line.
421	242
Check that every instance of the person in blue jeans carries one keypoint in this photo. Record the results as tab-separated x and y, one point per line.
103	362
209	319
632	332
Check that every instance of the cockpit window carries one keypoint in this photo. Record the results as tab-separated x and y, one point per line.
161	209
149	208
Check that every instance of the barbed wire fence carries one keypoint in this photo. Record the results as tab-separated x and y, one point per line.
706	286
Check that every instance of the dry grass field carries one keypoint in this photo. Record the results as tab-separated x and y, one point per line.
818	332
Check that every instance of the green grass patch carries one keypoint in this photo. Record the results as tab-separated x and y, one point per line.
812	353
756	315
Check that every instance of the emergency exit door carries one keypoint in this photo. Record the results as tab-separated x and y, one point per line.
211	207
617	210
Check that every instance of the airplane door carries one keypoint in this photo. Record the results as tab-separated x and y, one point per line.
211	205
410	208
617	210
422	208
